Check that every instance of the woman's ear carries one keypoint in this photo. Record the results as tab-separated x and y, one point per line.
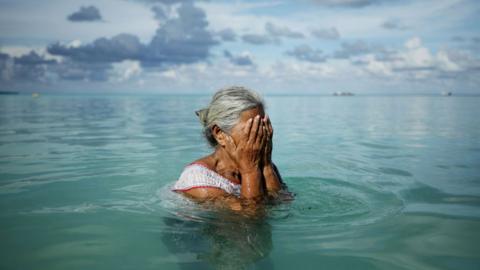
219	135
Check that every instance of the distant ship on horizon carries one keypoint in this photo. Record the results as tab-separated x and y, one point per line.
446	93
340	93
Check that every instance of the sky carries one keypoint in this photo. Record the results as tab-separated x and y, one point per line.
275	47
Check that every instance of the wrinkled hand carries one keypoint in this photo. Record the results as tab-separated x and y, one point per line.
267	151
248	153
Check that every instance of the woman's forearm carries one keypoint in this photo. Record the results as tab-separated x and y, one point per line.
272	179
252	186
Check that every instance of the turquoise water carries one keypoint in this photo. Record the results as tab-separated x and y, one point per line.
381	183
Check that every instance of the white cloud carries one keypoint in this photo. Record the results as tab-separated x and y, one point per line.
170	74
74	43
416	61
413	43
125	70
416	55
377	68
445	63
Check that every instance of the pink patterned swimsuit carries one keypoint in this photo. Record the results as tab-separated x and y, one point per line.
197	175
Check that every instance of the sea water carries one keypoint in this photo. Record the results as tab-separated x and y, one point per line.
381	182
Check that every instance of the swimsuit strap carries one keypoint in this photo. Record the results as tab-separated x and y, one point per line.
197	175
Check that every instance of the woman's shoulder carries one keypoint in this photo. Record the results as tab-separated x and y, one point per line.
199	182
199	174
205	161
198	166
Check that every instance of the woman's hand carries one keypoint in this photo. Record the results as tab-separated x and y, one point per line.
267	150
248	152
270	174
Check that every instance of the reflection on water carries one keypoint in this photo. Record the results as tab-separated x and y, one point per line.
227	241
202	236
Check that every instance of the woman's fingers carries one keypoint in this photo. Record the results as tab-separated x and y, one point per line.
269	126
265	138
254	130
260	133
247	128
230	145
265	121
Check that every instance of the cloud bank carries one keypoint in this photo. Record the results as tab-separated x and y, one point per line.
203	44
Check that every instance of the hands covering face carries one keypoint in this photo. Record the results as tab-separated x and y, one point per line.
254	147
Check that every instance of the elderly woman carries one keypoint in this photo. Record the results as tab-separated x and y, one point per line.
241	168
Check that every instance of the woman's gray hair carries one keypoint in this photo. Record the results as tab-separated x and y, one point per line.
225	108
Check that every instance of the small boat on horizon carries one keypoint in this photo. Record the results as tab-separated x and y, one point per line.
446	93
340	93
